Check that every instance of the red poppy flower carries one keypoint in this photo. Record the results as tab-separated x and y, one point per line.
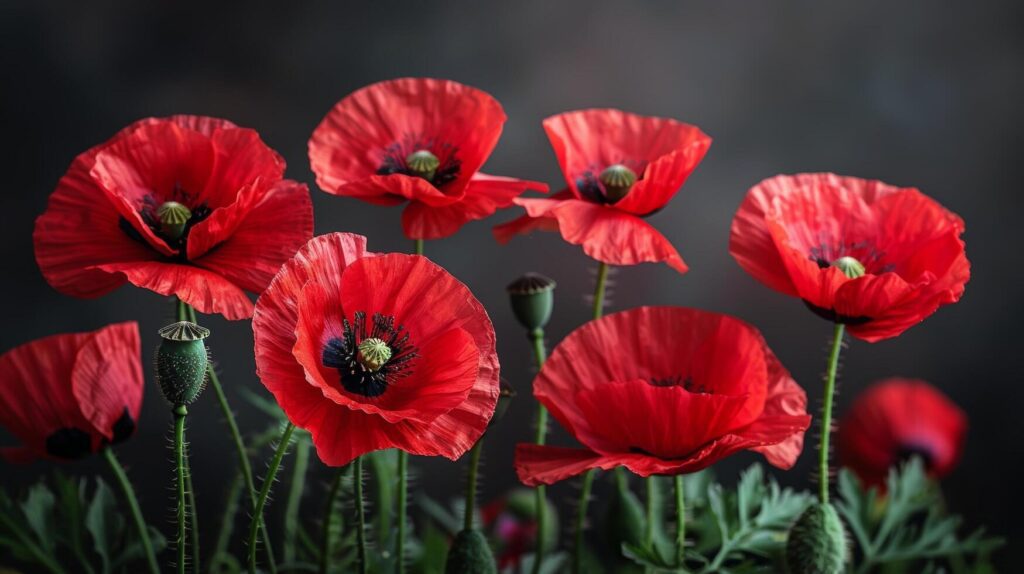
66	396
875	257
620	168
188	206
416	139
896	419
372	351
664	390
512	522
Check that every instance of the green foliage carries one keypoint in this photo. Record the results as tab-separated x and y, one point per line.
817	543
71	523
908	529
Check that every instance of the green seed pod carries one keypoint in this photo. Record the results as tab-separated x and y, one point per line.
181	361
850	266
470	554
173	217
626	521
423	164
817	542
533	298
617	180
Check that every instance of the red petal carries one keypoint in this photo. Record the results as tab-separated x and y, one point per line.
538	464
205	290
484	195
107	379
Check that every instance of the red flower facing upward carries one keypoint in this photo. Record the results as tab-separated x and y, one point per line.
875	257
66	396
416	139
188	206
895	420
372	351
664	390
620	168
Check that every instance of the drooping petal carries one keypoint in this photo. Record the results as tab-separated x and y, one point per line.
205	290
107	380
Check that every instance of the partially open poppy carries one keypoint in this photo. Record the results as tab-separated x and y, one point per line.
188	206
372	351
896	419
664	390
620	168
875	257
66	396
416	139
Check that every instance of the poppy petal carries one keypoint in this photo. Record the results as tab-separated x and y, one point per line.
107	380
205	290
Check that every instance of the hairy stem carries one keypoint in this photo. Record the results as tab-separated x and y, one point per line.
291	513
357	473
268	482
133	505
190	495
826	413
474	469
540	493
325	536
180	413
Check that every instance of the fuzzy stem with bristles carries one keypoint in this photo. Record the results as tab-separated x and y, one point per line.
826	412
540	494
474	470
326	525
190	496
357	472
179	463
291	513
261	500
133	506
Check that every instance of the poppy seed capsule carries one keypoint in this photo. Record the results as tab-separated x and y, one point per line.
173	217
181	361
470	554
850	266
373	353
817	542
617	180
533	298
423	164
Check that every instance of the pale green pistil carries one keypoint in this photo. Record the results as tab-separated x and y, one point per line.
617	180
849	266
173	217
422	163
373	353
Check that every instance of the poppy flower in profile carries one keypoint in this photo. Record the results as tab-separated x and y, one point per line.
620	168
419	140
897	419
371	351
66	396
664	390
875	257
188	205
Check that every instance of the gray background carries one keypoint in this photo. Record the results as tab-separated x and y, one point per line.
925	94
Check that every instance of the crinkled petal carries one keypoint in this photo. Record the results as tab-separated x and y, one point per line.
107	380
205	290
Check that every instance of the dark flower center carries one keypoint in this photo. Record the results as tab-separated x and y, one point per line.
427	158
69	443
369	360
864	253
170	218
608	184
680	381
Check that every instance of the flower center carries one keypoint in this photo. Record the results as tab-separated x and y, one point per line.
426	158
850	266
370	358
423	164
617	181
173	217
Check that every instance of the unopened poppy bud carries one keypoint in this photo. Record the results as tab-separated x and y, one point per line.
470	554
849	266
173	217
423	164
373	353
817	542
533	298
617	180
181	361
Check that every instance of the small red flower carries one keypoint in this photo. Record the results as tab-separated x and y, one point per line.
896	419
66	396
664	390
416	139
875	257
188	206
371	351
620	168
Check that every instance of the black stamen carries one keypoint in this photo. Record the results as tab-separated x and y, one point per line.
394	160
342	353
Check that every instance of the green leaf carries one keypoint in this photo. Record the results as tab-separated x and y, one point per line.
104	523
38	509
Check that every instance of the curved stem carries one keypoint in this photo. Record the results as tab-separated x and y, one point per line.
357	473
403	495
261	500
540	493
133	506
179	462
581	521
291	513
325	536
599	289
474	469
680	522
826	412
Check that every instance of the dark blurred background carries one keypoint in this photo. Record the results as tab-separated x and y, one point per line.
918	94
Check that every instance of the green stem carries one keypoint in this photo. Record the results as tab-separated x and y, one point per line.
418	246
680	522
403	495
602	280
227	521
133	506
261	501
357	472
325	537
826	413
474	470
581	521
179	462
26	541
291	513
187	313
540	493
650	518
190	495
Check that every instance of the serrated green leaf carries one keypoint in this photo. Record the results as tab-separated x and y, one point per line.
103	523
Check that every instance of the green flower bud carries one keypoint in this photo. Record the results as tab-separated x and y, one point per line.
533	298
173	217
817	542
470	554
617	180
422	163
181	361
373	353
849	266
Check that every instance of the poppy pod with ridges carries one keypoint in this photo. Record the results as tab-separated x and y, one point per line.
181	362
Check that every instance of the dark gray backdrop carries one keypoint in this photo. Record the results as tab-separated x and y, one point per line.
925	94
